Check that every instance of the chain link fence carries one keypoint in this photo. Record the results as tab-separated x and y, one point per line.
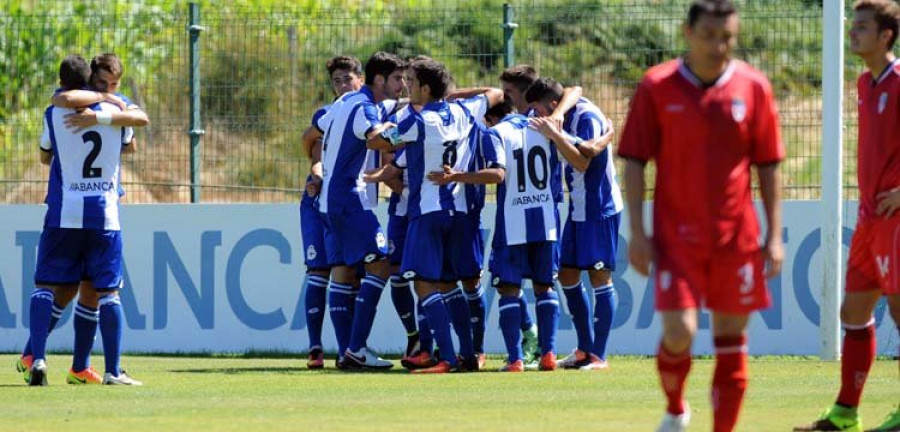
263	75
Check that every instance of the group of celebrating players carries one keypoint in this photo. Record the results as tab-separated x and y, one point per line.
704	119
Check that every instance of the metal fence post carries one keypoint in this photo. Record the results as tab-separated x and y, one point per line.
196	130
509	27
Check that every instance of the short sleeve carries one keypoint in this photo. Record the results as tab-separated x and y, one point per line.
640	138
493	151
767	145
409	126
477	106
46	143
399	159
365	119
127	135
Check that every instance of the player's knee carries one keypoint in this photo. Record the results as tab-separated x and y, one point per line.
508	290
678	338
542	289
569	276
600	277
855	314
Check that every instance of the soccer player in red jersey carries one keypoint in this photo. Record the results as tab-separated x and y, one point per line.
873	263
705	119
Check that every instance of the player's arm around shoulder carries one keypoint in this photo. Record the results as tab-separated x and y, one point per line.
567	145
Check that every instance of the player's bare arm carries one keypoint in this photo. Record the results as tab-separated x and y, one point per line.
131	147
485	176
133	117
770	189
570	97
565	143
84	98
494	95
46	157
310	136
888	202
640	249
596	145
376	139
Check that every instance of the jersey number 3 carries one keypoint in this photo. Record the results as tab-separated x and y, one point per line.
88	171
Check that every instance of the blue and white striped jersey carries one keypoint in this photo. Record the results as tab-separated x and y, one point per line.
593	194
399	203
434	137
526	209
344	154
83	189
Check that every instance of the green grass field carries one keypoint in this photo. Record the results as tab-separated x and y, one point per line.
252	394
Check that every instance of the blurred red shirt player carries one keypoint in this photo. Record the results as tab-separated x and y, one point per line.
705	119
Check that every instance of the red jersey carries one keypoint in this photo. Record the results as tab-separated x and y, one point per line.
703	140
878	152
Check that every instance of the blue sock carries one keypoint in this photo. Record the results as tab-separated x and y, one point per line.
604	312
527	322
577	302
425	340
85	323
478	314
364	314
404	303
547	319
439	322
341	298
41	311
510	325
54	318
314	303
111	329
462	323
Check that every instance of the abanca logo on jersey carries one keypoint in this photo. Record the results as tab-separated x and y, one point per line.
92	186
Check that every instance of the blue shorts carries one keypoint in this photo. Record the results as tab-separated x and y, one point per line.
67	256
351	238
471	259
536	261
397	226
312	232
590	245
435	246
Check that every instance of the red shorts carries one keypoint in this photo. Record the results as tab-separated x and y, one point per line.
874	257
727	282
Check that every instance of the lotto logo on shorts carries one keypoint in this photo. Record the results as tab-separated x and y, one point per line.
599	265
380	240
409	274
311	253
370	258
496	281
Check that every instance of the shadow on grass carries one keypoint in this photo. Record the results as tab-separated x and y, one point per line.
281	370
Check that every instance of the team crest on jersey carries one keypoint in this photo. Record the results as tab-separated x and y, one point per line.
665	280
882	102
311	253
738	109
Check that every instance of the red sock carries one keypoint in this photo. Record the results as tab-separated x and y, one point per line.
729	381
856	360
673	370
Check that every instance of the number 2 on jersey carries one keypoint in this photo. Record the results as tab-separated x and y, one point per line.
88	171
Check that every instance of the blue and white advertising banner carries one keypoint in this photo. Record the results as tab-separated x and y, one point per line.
229	278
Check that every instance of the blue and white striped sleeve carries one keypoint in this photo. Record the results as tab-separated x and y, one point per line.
365	119
493	151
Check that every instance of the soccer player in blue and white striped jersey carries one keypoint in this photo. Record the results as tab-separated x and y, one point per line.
352	232
346	76
81	236
435	137
590	234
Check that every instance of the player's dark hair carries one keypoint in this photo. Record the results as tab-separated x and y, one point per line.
544	89
433	74
521	76
715	8
347	63
500	110
74	72
384	64
108	62
887	16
